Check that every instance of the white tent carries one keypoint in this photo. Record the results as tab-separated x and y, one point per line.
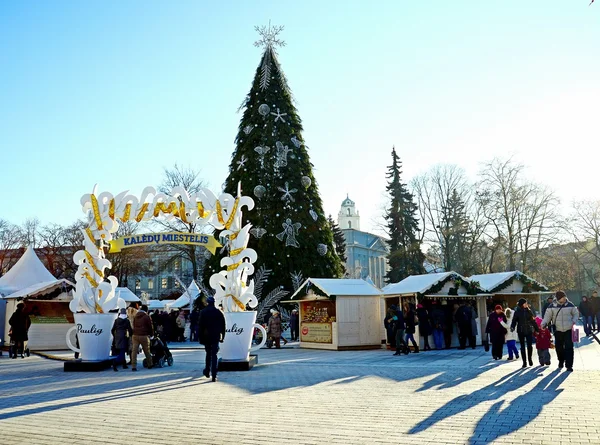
126	294
159	304
191	293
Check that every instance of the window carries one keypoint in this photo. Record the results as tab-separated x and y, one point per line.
163	283
138	284
348	212
176	265
150	283
349	224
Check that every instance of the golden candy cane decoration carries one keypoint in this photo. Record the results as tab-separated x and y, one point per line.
182	214
233	266
140	215
235	252
91	263
201	212
96	212
93	282
161	207
236	301
126	213
89	233
111	209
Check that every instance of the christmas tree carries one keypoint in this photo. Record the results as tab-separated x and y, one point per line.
338	240
290	232
405	257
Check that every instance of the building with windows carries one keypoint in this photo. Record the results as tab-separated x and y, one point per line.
366	253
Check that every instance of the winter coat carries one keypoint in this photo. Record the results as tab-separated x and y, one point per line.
121	327
398	324
510	335
274	327
543	338
19	324
495	328
409	320
194	317
294	320
585	309
424	324
180	321
595	303
438	318
524	322
563	317
211	325
473	321
142	324
131	311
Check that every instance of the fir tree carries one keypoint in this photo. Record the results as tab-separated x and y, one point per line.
338	240
290	232
405	257
455	233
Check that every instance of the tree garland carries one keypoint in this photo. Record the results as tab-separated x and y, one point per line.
529	284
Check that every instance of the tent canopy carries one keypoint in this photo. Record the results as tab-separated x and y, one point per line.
126	294
158	304
420	284
192	292
27	272
39	288
339	287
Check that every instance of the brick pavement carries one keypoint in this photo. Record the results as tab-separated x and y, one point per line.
304	396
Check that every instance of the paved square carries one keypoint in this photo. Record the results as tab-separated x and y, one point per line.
299	396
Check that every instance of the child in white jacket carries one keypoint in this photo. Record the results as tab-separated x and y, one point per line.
511	337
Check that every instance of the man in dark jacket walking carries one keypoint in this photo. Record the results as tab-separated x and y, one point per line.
142	331
464	317
524	323
295	325
595	303
211	331
398	326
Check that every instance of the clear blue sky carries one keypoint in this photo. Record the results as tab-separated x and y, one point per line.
112	92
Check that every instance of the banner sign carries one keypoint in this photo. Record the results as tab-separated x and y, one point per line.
196	239
315	332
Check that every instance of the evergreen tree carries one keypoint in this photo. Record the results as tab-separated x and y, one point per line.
290	232
405	257
339	241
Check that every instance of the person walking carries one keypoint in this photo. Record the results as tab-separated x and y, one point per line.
563	315
543	343
595	303
131	311
473	337
180	320
142	331
547	304
19	327
438	320
121	332
194	315
211	332
410	321
295	325
424	326
525	326
495	329
398	326
449	327
510	337
274	328
587	315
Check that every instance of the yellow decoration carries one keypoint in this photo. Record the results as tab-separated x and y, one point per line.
236	301
235	252
233	266
148	239
201	212
126	213
91	263
111	209
89	233
182	214
93	282
161	207
96	212
233	212
140	215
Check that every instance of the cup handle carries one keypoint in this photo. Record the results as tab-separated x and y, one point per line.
264	337
69	344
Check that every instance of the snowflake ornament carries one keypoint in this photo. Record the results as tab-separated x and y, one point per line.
241	163
287	193
279	115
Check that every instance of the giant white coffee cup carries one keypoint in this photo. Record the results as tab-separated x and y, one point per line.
238	335
93	333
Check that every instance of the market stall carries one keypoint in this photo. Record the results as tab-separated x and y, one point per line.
189	296
46	301
449	289
338	314
506	288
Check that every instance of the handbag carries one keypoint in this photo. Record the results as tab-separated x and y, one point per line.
575	335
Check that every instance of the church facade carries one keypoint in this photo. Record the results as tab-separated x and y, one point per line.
366	253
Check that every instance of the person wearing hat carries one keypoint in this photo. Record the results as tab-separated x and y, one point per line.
496	331
295	325
211	332
563	315
274	328
525	325
547	304
19	326
121	332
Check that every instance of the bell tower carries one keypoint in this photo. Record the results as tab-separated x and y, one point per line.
348	218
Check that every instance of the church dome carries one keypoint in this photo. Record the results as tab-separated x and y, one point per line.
347	202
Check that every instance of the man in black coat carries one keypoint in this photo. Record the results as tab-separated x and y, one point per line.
211	330
525	325
595	303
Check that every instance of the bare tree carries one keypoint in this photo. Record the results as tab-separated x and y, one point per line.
30	233
10	239
130	262
584	227
190	180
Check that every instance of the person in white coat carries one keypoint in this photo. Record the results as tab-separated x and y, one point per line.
511	337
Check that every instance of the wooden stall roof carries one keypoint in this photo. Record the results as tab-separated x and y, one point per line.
421	284
339	287
494	283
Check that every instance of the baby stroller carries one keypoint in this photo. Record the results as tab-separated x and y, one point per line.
160	353
17	348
